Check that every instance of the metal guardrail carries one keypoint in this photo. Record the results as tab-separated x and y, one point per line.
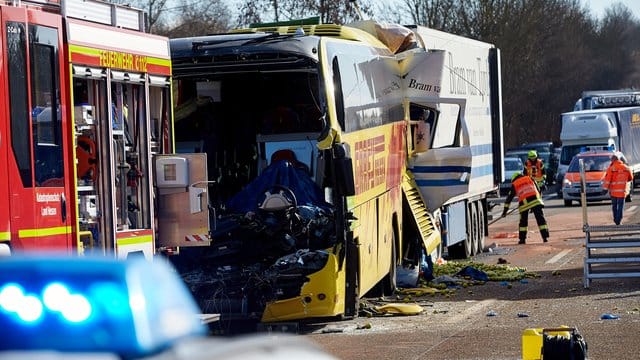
611	251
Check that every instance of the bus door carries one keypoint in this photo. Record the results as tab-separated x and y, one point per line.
37	170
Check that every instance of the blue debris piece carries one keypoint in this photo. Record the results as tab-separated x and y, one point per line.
504	283
524	281
492	313
609	317
473	273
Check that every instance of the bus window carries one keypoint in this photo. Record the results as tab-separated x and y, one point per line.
365	88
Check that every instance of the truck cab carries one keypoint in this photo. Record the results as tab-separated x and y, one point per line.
585	128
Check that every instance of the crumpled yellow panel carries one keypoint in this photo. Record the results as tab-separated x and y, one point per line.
399	309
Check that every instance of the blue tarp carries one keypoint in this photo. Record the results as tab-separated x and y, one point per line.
473	273
282	173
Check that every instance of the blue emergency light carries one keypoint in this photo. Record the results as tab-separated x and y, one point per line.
132	308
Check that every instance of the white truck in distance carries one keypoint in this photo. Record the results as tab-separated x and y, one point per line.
603	119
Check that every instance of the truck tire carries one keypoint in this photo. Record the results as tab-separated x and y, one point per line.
567	202
475	228
481	224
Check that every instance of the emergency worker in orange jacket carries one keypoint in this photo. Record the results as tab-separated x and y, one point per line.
616	178
528	199
534	168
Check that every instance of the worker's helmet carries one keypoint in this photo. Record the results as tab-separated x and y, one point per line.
515	175
616	156
533	154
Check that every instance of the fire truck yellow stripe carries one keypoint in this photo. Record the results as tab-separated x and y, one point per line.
97	52
135	240
27	233
5	236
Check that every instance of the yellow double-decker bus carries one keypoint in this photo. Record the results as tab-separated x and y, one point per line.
306	134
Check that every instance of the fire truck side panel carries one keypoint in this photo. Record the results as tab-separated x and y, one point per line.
87	99
5	223
37	170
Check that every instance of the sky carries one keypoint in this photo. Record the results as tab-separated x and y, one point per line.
598	7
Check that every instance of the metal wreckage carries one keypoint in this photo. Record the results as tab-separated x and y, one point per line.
264	250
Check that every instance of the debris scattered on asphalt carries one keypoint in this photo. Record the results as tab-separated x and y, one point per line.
609	317
329	330
492	313
418	291
523	314
502	261
501	272
370	309
473	273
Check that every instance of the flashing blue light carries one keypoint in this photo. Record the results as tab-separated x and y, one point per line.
131	308
30	309
10	297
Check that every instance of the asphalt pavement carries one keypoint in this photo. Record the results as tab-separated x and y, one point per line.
488	321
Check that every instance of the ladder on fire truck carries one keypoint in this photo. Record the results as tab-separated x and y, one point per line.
611	251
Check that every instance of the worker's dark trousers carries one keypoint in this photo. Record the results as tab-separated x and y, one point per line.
524	222
617	206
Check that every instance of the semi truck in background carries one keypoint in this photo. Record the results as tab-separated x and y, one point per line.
609	119
318	163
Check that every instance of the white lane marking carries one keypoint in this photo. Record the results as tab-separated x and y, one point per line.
558	256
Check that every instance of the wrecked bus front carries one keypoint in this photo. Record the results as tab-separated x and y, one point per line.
253	103
305	138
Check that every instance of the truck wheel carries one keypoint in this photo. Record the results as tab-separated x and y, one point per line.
481	220
567	202
475	228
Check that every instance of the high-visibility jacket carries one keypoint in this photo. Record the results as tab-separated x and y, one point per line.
535	169
616	178
527	192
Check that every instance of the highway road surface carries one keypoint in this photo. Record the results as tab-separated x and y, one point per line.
458	326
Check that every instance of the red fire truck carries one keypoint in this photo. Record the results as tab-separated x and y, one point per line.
86	104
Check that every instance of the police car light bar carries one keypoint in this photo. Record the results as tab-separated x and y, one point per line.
130	308
597	148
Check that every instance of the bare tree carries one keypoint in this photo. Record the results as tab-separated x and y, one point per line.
199	18
329	11
617	50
